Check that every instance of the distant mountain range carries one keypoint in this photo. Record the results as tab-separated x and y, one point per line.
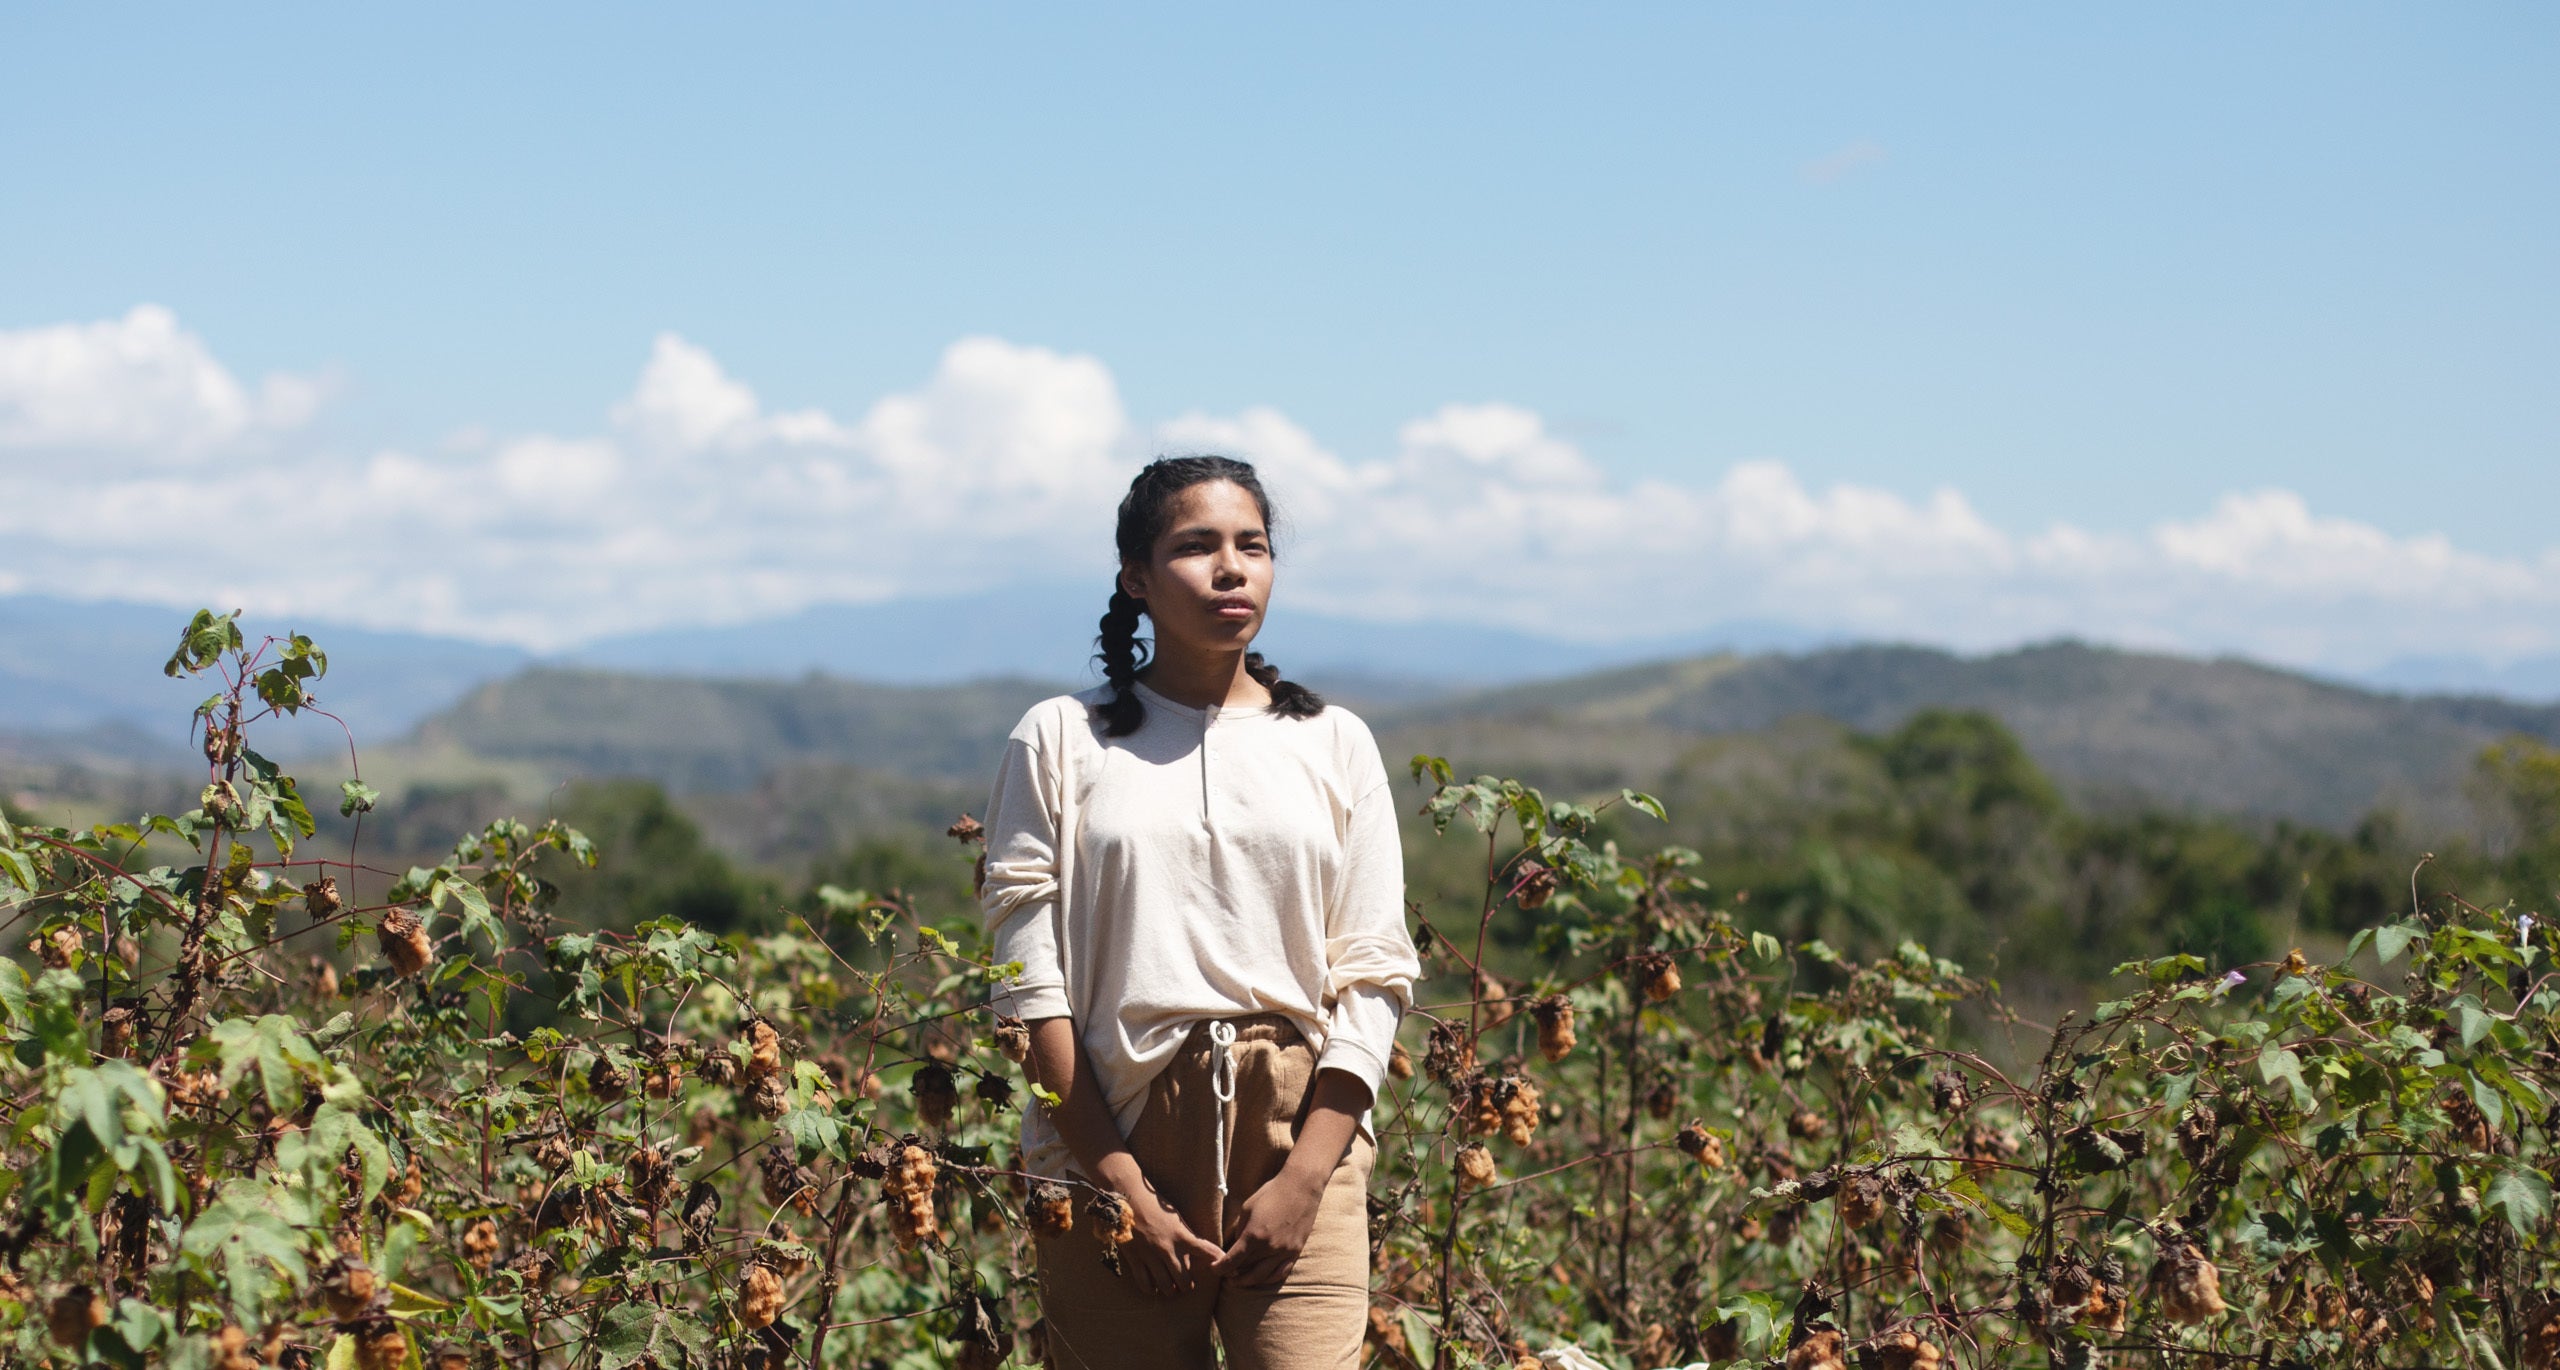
726	709
68	666
2114	727
2224	736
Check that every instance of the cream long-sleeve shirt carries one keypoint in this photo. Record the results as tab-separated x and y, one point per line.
1214	863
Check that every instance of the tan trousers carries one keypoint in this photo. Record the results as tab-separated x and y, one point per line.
1314	1320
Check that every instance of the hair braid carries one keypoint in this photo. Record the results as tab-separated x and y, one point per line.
1143	514
1122	655
1289	699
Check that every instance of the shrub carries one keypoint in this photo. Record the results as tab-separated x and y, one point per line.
1680	1141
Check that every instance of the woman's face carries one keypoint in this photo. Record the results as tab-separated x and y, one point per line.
1209	578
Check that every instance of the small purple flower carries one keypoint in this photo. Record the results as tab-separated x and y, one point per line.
2231	980
2524	930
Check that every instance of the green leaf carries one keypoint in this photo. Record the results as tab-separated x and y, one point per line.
2522	1193
1646	802
205	640
356	797
1964	1188
2474	1020
2390	940
636	1331
1769	949
2276	1063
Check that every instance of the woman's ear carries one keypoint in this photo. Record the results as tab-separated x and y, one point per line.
1133	582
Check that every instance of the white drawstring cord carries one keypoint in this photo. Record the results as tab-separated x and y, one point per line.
1222	1083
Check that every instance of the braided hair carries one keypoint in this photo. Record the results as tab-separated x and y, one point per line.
1144	512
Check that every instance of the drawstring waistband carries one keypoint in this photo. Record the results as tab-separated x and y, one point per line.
1222	1083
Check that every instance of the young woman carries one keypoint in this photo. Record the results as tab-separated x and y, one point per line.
1196	865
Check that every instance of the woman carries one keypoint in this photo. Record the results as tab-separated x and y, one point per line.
1196	865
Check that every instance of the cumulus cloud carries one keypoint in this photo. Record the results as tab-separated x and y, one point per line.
693	502
140	387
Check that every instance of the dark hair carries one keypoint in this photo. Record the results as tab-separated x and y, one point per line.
1144	512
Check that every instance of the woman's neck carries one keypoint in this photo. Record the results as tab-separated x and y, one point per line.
1205	680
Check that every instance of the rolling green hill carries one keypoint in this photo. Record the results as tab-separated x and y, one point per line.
2113	727
703	734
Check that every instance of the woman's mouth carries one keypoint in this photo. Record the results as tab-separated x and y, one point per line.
1232	608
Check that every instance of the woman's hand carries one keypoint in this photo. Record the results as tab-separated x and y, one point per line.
1166	1257
1273	1227
1276	1220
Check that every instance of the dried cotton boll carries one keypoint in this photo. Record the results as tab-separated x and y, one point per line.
320	898
1704	1147
404	944
768	1097
480	1245
2469	1123
1387	1335
1722	1340
608	1081
115	1031
1662	1100
1862	1200
719	1067
1534	887
1949	1231
348	1284
1805	1125
1013	1039
1904	1349
1656	974
1820	1350
1948	1093
966	830
759	1296
1111	1220
2539	1349
1655	1347
2196	1132
2105	1309
1399	1062
74	1315
1519	1109
1449	1054
652	1179
1555	1026
995	1091
58	949
1474	1167
764	1050
1052	1210
909	1187
231	1349
788	1184
381	1345
937	1095
2188	1285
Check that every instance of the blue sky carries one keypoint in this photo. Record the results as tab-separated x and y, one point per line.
2084	267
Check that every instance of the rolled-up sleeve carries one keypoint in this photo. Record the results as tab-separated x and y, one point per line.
1019	897
1370	963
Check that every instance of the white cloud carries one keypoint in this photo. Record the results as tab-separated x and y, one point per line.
139	386
692	503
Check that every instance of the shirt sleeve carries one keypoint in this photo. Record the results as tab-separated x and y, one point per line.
1019	895
1370	964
